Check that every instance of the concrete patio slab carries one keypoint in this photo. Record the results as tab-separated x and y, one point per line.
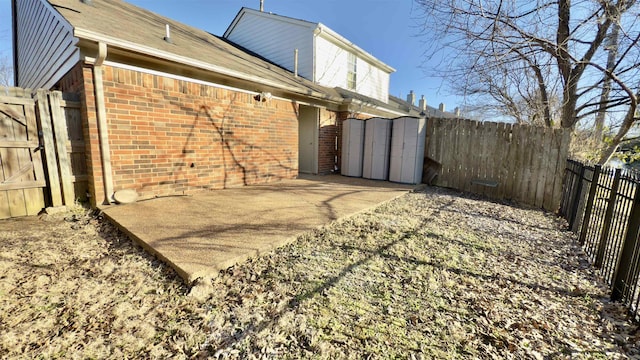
202	234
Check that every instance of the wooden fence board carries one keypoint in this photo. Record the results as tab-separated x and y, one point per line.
493	158
4	205
34	200
518	163
44	114
526	162
481	165
465	148
17	203
505	131
472	160
429	141
435	147
61	138
536	158
554	153
449	156
442	180
511	158
442	145
456	139
76	147
544	166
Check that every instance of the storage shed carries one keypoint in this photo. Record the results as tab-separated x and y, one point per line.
407	150
377	144
352	147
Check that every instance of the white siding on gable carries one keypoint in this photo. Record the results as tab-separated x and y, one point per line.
323	55
45	45
276	41
331	64
332	67
372	81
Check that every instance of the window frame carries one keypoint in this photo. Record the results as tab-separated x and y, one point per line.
352	71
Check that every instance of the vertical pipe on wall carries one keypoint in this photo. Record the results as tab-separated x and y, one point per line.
295	62
103	131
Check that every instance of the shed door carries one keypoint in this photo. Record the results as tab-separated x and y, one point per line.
21	172
308	140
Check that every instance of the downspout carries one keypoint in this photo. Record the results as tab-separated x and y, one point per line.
103	131
14	42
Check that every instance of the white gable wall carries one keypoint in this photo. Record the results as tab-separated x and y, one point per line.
276	41
322	53
45	46
331	71
331	64
372	81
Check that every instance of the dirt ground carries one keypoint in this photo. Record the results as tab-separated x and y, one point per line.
433	274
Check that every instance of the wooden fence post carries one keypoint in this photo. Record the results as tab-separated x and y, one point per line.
622	276
576	198
589	205
606	227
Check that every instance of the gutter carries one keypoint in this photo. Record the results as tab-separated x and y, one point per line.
14	41
103	131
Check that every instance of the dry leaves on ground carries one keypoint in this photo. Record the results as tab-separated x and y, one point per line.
433	274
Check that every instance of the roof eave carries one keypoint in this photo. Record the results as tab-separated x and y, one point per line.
355	105
149	51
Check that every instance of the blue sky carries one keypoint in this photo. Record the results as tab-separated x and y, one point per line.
384	28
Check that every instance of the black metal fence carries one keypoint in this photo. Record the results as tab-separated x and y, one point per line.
602	205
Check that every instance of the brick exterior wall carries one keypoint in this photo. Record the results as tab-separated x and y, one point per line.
327	141
169	136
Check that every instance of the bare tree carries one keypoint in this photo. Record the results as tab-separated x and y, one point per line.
558	48
6	72
510	91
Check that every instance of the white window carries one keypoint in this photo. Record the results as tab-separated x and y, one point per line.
351	71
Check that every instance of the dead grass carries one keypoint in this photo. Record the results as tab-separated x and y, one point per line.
430	275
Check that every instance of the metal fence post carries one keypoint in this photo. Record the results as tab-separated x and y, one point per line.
621	276
606	227
589	205
576	198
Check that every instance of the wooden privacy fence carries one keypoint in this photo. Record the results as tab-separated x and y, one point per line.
42	161
602	206
499	160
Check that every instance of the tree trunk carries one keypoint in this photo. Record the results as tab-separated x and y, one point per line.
568	116
606	84
624	129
